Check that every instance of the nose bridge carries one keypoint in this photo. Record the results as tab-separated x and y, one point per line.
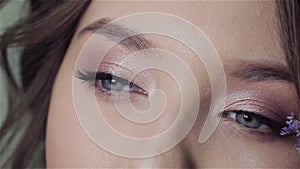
178	157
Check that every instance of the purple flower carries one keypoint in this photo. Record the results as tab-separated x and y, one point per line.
293	127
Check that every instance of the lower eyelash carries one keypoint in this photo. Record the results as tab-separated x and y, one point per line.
233	129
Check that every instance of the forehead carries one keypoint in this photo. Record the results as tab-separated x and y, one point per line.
246	30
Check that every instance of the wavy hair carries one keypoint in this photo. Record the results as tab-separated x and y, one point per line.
44	36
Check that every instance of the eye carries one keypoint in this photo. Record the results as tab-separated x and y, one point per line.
253	120
115	83
107	83
246	119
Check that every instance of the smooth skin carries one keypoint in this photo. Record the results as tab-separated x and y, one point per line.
242	32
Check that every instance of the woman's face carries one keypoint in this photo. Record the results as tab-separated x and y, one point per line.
259	94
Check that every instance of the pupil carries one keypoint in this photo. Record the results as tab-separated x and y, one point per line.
247	117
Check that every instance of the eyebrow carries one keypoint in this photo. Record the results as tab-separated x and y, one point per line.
249	71
257	72
114	32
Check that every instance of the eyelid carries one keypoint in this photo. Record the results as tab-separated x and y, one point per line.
143	80
274	125
256	106
89	78
116	70
233	115
133	88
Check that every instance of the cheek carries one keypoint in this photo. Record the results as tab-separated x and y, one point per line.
255	152
226	148
67	144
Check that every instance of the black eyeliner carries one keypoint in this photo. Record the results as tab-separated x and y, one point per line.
92	77
274	125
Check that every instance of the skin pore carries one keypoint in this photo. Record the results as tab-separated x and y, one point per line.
246	36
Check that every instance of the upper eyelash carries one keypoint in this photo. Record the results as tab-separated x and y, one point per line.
89	77
86	75
274	125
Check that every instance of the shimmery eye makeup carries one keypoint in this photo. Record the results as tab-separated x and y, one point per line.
113	82
255	111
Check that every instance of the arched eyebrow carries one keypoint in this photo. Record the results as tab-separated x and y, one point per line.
260	71
115	31
249	71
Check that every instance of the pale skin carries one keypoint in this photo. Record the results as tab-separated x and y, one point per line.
242	33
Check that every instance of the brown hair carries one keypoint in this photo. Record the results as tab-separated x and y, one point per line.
44	36
289	17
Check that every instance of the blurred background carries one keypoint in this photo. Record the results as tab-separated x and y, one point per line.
10	13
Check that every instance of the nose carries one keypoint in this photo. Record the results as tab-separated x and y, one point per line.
177	157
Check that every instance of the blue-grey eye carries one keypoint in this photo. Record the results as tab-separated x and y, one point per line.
247	119
110	82
254	120
115	83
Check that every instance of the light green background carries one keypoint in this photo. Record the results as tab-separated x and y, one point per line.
9	14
